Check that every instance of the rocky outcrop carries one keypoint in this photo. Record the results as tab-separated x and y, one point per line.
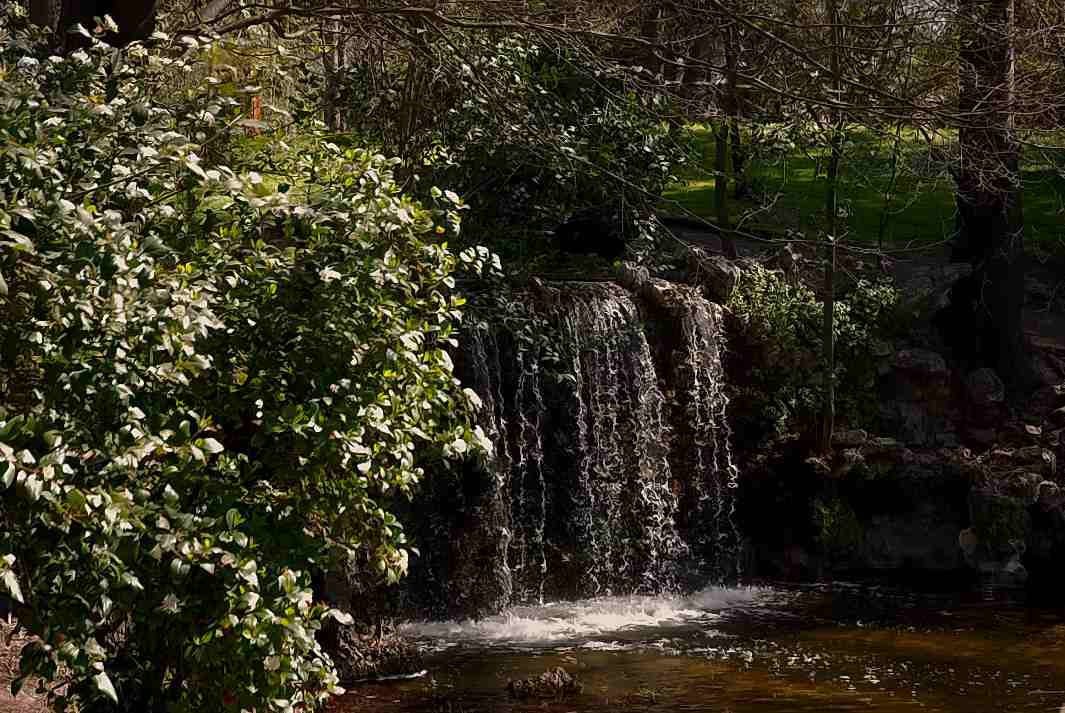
879	506
718	275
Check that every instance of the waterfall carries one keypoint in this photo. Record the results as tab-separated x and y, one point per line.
612	472
708	447
624	476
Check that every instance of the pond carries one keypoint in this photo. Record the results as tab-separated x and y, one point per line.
836	647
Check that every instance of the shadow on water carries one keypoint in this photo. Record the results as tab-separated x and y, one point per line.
837	647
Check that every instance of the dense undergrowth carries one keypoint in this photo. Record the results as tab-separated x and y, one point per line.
779	332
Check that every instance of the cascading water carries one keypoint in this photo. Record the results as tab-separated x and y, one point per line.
705	444
623	472
611	473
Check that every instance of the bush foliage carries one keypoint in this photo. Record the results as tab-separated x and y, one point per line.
527	132
210	380
781	325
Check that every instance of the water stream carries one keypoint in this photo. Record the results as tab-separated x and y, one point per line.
767	650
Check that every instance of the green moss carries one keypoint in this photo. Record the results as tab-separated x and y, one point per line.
999	520
838	530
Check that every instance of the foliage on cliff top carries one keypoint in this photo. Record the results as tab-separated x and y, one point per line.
208	382
527	131
780	325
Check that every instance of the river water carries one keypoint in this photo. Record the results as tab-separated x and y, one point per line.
837	647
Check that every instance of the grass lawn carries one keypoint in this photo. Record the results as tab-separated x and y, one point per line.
790	193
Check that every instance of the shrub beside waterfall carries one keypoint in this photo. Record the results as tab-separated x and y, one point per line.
210	379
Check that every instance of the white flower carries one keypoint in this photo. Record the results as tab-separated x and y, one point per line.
329	274
171	604
272	663
27	64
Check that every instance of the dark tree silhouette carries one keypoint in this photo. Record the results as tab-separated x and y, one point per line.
987	306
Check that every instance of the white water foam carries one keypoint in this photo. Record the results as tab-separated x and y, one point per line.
587	618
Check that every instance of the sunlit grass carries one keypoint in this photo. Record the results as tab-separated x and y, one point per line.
918	209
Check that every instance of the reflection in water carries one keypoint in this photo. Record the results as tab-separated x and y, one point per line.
750	650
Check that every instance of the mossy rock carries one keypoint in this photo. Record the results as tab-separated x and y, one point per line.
839	532
999	520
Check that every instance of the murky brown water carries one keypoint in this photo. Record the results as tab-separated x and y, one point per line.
838	648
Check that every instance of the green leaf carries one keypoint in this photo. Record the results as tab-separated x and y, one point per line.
103	682
3	285
233	518
212	446
10	582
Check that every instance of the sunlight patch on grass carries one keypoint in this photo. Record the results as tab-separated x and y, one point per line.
919	208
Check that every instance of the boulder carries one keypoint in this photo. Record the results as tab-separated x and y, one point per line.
360	657
716	273
984	389
921	362
789	261
916	397
1050	495
927	290
556	683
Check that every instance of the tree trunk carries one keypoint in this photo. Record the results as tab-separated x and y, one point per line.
828	414
724	225
45	13
733	106
990	228
650	26
331	95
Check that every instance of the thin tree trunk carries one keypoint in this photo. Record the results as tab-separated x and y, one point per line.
889	194
650	27
724	224
733	109
45	13
828	415
331	95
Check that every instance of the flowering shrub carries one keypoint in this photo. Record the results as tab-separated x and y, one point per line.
210	380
